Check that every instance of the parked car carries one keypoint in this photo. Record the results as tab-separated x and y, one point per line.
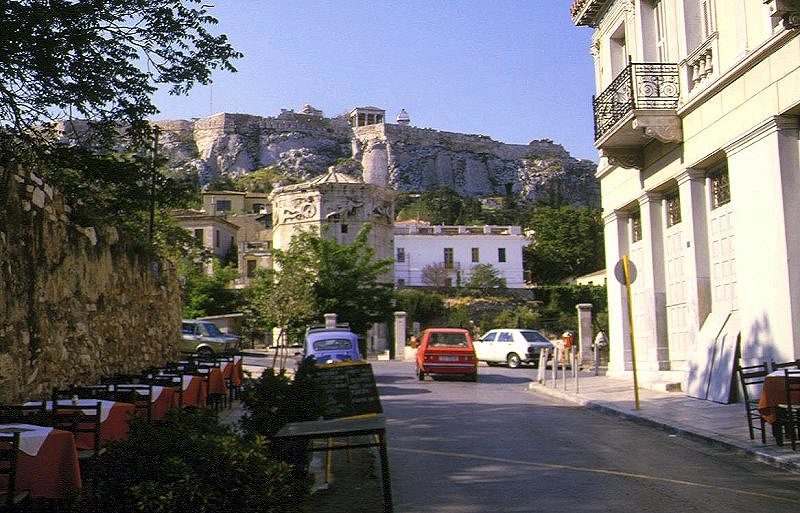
329	345
511	346
205	339
447	351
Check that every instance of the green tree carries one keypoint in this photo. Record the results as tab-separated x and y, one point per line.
349	279
209	294
102	60
420	306
484	278
316	275
567	242
283	297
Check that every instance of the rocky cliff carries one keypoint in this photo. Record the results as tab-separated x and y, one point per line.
77	303
402	157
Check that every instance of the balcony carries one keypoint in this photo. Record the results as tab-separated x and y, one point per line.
637	107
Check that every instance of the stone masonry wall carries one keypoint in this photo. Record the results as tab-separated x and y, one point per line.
76	303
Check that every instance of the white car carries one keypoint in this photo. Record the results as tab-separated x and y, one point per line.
511	346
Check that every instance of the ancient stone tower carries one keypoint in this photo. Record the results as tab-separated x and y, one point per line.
343	203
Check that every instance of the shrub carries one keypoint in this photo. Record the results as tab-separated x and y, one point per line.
191	463
272	401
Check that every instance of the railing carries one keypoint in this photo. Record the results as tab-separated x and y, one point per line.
638	86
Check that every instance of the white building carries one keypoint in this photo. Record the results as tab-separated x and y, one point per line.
457	249
696	121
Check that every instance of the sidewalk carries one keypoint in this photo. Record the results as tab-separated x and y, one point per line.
721	425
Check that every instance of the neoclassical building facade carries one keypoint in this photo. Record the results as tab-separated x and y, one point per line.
696	122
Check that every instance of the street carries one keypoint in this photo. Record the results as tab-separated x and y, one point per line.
493	446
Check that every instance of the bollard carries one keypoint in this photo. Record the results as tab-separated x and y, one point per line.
542	371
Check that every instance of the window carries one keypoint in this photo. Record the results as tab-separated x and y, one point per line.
401	282
223	205
659	13
636	226
448	258
476	255
251	268
673	203
501	254
258	207
401	255
344	228
720	186
216	238
198	234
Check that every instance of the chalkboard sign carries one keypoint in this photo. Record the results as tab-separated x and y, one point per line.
349	389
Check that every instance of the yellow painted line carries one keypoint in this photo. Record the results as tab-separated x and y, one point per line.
615	473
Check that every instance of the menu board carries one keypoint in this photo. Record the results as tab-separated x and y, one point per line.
349	389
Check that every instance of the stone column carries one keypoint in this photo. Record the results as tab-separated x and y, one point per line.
617	243
650	313
585	333
400	319
692	191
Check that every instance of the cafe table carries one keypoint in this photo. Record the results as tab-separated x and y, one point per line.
114	418
48	461
773	393
195	390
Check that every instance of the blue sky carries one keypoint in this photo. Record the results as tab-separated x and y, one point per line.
514	70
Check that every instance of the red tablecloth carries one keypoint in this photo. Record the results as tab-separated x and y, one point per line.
773	393
53	472
195	390
164	401
216	382
233	371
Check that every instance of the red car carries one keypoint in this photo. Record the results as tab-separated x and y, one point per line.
447	351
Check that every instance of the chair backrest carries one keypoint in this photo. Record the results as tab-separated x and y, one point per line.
750	376
792	380
79	419
138	394
9	449
785	365
36	414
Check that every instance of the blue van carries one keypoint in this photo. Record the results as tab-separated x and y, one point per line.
330	345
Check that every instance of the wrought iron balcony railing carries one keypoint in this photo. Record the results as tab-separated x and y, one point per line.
640	86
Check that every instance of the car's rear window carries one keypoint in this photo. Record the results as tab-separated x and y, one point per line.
534	336
332	344
448	340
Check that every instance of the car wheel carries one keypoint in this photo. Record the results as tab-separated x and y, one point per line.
420	374
513	360
205	352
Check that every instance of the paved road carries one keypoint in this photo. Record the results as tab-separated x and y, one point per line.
493	446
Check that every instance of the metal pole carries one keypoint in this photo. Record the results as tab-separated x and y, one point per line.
630	323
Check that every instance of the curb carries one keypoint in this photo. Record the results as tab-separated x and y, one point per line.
697	435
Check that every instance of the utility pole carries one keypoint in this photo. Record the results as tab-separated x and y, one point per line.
153	172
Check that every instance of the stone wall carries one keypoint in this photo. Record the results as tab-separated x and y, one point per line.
77	303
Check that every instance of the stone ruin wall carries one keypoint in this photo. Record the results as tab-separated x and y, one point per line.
77	303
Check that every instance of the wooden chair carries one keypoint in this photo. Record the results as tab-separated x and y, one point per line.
750	378
36	414
789	413
785	365
138	394
11	499
84	419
